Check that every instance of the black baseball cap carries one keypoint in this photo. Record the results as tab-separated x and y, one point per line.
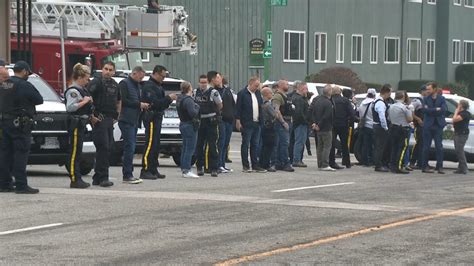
21	65
2	62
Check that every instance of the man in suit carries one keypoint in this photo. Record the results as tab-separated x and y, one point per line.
433	124
248	122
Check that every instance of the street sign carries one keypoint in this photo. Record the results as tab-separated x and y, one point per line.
267	53
269	39
278	2
256	47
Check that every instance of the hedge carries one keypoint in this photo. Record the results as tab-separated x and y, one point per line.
465	74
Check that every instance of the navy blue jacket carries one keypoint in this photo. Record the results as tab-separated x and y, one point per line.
244	110
431	114
130	92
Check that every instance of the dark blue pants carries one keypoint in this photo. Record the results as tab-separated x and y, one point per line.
189	136
281	158
103	137
152	145
415	157
207	134
268	143
129	136
301	135
14	151
367	145
76	141
435	133
225	133
250	139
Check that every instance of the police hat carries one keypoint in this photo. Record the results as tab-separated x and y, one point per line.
21	65
2	62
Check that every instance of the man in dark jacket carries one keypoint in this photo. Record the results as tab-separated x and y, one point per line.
226	125
248	121
343	114
130	90
300	122
153	93
322	122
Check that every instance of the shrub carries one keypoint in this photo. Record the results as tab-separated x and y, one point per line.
465	74
339	75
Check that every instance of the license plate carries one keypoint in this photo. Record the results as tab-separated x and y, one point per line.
171	113
50	143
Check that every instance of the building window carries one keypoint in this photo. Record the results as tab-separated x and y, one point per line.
392	50
357	45
413	51
374	49
145	57
468	52
457	2
339	48
294	46
430	51
320	47
456	51
431	2
469	3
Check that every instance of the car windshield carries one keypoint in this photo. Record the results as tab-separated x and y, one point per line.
125	61
48	93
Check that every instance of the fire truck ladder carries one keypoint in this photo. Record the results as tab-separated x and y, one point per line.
84	20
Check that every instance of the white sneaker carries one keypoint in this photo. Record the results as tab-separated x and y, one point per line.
190	175
328	169
223	170
229	169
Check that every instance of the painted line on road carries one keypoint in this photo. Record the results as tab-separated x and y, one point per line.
27	229
310	187
318	242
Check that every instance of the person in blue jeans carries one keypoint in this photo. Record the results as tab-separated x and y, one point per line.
226	125
188	112
128	120
300	122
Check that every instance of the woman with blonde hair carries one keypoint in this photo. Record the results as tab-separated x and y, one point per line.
79	108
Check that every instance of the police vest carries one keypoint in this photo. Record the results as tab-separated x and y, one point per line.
375	115
86	109
182	112
7	98
286	109
107	96
206	105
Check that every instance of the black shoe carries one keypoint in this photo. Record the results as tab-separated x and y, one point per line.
441	171
271	169
288	169
200	172
259	169
348	166
279	168
148	175
160	176
79	184
7	189
428	171
106	183
300	164
381	169
460	172
227	160
26	190
336	166
401	171
208	171
96	182
214	173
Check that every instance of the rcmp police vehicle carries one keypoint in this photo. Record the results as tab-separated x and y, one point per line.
448	132
170	143
49	143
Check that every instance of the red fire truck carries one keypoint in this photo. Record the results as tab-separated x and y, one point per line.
100	32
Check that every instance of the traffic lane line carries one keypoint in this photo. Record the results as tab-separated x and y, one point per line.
318	242
311	187
28	229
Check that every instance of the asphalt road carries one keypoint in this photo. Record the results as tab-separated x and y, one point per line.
353	216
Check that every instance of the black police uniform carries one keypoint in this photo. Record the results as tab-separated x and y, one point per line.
154	94
77	122
106	94
415	156
18	100
343	115
208	130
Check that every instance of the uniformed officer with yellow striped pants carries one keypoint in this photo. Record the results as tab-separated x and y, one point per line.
79	108
401	117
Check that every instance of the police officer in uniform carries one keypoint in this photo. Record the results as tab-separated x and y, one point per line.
80	108
18	99
380	118
400	117
154	94
210	104
415	156
106	100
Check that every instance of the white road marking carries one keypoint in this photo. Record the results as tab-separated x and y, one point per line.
320	186
29	229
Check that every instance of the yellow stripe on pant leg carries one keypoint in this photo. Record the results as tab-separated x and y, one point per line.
402	155
73	156
349	138
206	156
150	142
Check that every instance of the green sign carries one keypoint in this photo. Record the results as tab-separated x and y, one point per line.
256	47
269	39
267	53
278	2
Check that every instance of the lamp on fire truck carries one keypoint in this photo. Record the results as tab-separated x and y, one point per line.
184	30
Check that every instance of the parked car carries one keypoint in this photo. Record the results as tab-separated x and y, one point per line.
448	132
50	141
171	141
